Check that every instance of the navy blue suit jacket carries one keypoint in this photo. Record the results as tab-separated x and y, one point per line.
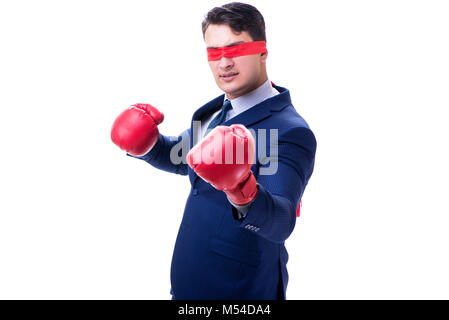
218	256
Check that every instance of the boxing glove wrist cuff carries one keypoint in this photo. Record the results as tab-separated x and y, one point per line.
245	191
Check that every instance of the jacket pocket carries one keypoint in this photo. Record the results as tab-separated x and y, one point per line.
234	252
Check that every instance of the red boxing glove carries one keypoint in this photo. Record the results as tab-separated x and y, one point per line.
135	129
224	159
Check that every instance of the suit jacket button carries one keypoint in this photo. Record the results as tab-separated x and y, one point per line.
195	192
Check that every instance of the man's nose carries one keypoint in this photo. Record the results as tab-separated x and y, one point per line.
225	63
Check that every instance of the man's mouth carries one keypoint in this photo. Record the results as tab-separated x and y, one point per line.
229	76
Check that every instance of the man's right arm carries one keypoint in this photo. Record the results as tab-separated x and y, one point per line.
169	153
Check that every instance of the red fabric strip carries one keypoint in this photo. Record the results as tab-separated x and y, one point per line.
242	49
298	209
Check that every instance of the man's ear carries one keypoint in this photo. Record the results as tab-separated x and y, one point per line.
263	57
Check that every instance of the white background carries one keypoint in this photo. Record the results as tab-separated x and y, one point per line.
80	220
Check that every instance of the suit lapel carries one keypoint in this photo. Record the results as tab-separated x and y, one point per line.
199	115
262	110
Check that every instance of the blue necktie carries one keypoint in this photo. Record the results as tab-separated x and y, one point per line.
221	116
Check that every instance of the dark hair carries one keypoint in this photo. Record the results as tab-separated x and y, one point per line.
239	17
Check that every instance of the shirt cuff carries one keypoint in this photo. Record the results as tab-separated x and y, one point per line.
242	210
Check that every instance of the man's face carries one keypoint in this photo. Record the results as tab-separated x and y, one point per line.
239	75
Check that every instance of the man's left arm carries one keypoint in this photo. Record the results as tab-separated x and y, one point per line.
272	213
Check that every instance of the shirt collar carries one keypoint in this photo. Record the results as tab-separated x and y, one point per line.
252	98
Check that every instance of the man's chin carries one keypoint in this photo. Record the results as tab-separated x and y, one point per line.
231	89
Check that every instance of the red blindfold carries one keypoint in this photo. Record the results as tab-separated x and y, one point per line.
242	49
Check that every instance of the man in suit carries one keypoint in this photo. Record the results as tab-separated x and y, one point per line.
230	244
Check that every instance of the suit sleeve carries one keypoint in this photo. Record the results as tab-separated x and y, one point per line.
169	152
272	214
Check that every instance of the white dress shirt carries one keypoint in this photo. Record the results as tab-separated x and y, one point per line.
239	105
